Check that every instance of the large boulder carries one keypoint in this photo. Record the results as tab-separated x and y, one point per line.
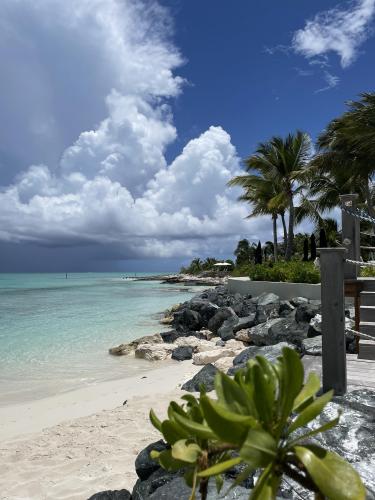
297	301
205	358
286	308
112	495
277	330
268	306
172	336
183	352
205	376
144	464
305	312
205	308
130	347
143	490
198	345
186	320
234	324
269	352
218	319
154	352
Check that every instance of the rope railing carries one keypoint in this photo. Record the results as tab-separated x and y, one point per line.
359	334
358	213
360	263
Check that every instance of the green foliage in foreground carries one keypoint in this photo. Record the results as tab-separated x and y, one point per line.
258	420
291	272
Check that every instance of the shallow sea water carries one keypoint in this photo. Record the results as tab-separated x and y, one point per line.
55	332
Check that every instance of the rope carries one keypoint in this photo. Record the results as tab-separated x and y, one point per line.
359	263
367	248
359	334
358	213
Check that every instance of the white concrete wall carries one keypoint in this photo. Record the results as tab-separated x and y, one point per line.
285	291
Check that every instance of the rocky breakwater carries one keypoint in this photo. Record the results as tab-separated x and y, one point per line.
222	331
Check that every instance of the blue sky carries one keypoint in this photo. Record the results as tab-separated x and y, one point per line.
122	121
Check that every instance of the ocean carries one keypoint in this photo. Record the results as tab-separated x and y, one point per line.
55	332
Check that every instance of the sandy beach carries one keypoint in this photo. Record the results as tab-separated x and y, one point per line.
72	445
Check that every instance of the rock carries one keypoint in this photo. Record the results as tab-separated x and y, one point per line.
225	332
234	344
305	312
220	343
315	326
268	306
177	489
154	352
223	364
218	319
129	348
205	358
277	330
269	352
266	299
205	376
285	308
245	322
181	353
167	320
187	320
144	489
112	495
312	346
242	335
170	336
144	465
205	308
297	301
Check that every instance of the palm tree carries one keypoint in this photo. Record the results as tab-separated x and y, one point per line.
347	148
262	193
282	162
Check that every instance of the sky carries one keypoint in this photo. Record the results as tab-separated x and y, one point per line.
123	120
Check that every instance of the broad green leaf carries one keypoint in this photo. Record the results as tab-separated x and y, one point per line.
311	411
172	432
187	452
224	428
231	394
267	485
155	421
190	399
220	467
309	390
291	379
169	463
177	408
259	449
318	430
334	477
194	429
263	395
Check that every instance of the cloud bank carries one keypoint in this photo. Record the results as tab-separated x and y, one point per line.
91	88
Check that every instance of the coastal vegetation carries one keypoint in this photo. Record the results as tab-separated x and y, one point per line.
261	420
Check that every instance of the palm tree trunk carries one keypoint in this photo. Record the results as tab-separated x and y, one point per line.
284	228
274	227
289	246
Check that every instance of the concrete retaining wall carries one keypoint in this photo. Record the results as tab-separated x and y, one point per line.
285	291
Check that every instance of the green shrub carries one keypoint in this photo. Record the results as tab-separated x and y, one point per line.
368	272
259	419
291	272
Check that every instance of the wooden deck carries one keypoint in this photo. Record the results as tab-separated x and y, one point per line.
360	372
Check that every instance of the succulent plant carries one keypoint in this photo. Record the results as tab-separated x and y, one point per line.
259	419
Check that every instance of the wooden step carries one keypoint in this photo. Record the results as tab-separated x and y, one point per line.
366	349
368	284
367	327
367	298
367	313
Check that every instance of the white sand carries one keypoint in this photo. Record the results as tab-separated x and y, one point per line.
83	441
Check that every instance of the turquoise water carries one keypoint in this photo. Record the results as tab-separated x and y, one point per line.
55	332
